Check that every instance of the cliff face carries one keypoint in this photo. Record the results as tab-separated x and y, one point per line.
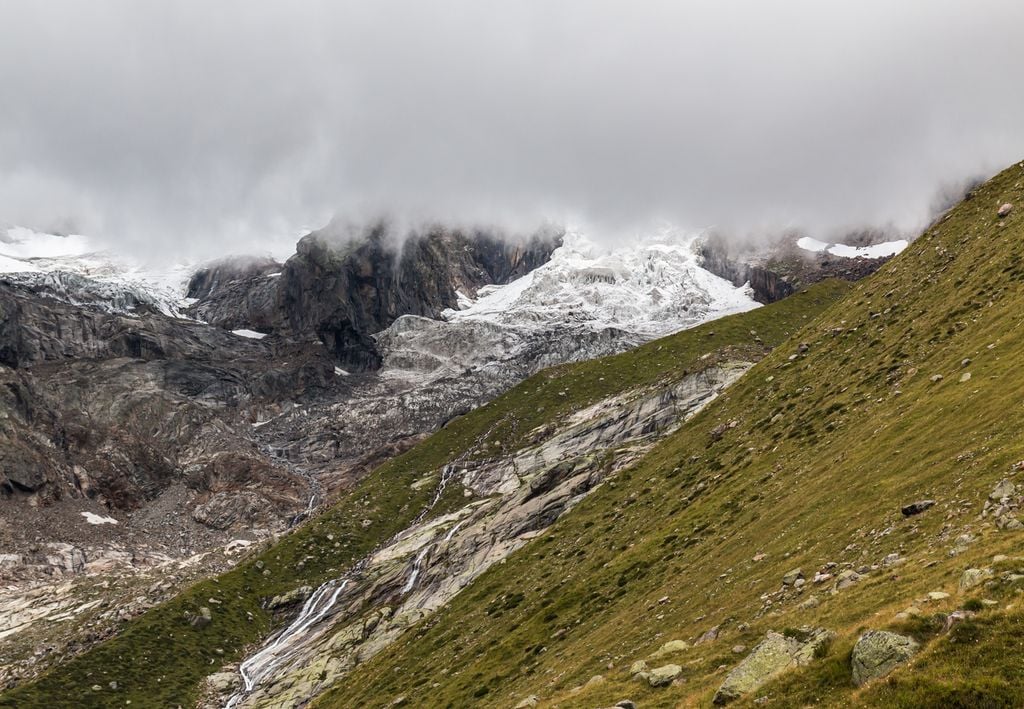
344	293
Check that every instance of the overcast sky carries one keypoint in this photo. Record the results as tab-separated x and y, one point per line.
182	124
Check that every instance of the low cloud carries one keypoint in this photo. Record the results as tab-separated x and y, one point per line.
197	126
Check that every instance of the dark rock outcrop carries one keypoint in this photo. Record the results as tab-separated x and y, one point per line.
345	291
236	293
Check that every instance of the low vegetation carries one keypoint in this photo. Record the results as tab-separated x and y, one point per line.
907	389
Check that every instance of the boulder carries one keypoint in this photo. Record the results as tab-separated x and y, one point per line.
661	676
528	703
638	667
670	648
1004	489
878	652
846	578
772	656
1004	210
916	508
974	577
203	618
790	577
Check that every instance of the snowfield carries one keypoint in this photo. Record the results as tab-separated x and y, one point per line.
888	248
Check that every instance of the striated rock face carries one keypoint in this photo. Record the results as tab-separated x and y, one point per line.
343	291
509	501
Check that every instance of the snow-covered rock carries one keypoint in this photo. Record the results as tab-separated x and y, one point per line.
588	300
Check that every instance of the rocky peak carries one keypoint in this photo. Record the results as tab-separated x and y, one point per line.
345	291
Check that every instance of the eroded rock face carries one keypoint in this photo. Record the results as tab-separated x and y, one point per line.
511	501
772	656
878	652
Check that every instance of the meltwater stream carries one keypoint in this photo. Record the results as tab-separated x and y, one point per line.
261	665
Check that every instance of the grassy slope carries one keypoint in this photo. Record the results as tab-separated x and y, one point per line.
160	659
826	449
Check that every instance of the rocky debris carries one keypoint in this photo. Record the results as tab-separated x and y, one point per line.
916	508
528	702
879	652
1003	504
663	676
772	656
965	377
638	667
936	378
935	596
1004	210
891	560
971	578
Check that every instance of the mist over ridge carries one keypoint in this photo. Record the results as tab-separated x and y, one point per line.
190	128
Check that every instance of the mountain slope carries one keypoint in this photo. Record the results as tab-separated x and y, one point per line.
906	390
162	656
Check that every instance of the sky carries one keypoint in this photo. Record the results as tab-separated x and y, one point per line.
172	126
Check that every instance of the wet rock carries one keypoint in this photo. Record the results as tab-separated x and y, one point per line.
662	676
223	682
916	508
772	656
878	652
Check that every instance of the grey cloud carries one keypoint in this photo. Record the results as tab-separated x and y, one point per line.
199	125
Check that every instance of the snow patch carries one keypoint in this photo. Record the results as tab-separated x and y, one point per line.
92	518
888	248
251	334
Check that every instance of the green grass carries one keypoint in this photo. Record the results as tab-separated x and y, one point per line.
160	659
826	448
